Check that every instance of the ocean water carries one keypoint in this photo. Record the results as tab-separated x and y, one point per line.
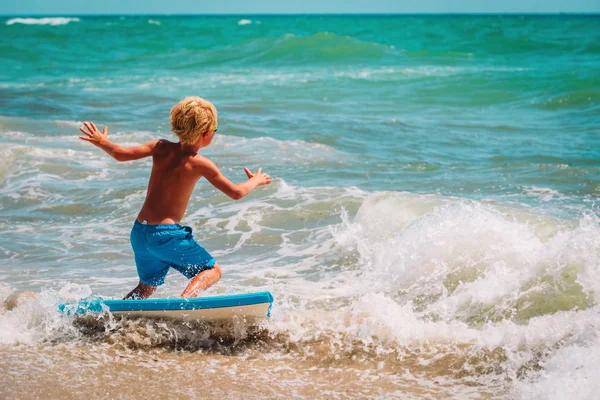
432	230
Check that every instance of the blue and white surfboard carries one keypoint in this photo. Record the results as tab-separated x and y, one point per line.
213	308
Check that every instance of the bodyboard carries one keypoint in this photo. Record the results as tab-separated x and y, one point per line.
212	308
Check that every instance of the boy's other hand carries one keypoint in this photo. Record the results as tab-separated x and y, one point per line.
262	179
92	134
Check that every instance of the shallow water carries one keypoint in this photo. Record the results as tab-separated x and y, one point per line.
432	230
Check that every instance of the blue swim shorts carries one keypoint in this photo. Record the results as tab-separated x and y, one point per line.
160	247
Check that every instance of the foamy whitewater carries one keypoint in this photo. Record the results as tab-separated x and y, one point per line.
432	230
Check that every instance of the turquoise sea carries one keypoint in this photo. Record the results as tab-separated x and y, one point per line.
432	230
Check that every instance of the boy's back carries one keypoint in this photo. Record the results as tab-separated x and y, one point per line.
159	242
174	174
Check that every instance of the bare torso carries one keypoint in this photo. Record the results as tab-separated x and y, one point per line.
172	181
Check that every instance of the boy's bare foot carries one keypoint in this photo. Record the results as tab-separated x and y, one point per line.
141	291
203	281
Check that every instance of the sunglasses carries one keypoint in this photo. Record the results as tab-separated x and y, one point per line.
216	128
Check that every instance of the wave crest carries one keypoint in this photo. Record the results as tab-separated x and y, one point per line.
42	21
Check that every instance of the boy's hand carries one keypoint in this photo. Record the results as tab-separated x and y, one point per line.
262	179
93	135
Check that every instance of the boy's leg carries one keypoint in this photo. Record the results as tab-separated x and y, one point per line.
149	267
203	281
141	291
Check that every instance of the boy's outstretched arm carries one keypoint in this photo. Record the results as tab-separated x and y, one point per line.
236	191
119	153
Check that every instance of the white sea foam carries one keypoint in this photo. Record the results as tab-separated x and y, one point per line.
409	245
71	124
236	142
36	318
570	373
153	22
390	73
258	77
244	22
544	194
262	78
8	156
42	21
403	239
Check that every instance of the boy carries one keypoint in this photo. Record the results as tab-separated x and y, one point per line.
158	241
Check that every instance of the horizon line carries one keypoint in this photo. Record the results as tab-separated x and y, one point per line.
524	13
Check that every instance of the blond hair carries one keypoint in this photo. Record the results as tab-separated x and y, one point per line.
192	117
